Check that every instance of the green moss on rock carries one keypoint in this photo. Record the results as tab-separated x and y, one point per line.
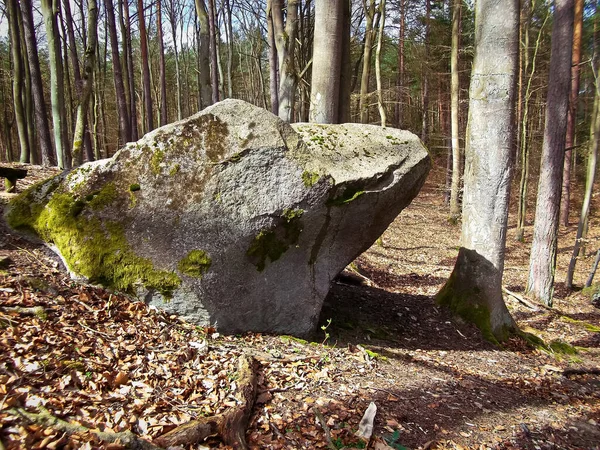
134	187
349	194
195	264
104	197
92	248
157	158
310	178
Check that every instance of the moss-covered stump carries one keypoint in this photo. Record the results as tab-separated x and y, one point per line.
230	217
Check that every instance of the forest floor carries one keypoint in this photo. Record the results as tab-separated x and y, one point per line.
98	359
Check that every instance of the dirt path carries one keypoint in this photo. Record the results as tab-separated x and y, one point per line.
102	361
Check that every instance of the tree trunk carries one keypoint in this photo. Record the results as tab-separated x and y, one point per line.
572	115
273	64
400	75
380	104
122	109
212	30
425	75
454	106
173	17
161	65
17	82
327	58
89	62
345	70
146	82
130	73
363	105
43	131
204	37
543	250
285	34
50	9
474	290
229	30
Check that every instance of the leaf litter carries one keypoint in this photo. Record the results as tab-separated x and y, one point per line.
98	359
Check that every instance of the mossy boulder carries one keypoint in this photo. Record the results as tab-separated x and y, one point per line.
230	217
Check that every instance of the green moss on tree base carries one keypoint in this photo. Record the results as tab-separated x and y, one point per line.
195	264
92	248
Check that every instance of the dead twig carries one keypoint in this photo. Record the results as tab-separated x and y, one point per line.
323	424
521	299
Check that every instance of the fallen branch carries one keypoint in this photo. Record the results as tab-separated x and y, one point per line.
588	283
45	419
323	424
521	299
231	425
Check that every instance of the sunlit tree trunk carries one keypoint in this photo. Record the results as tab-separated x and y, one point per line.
425	75
133	119
43	131
454	106
400	75
572	115
214	63
273	64
203	51
161	64
87	80
18	78
146	81
474	290
172	13
380	104
327	58
229	31
50	10
363	106
543	250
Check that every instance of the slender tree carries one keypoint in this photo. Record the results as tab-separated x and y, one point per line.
50	10
204	75
133	121
162	73
572	115
380	104
213	50
43	131
545	232
454	100
474	290
425	76
400	74
89	62
366	69
146	82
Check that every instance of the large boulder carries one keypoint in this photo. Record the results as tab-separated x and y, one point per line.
230	217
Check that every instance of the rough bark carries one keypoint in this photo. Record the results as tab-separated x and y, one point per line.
87	80
572	115
474	290
327	57
454	106
122	109
50	9
543	250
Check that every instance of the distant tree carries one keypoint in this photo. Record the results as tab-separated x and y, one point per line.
454	94
542	262
204	55
474	290
213	50
162	71
363	107
146	81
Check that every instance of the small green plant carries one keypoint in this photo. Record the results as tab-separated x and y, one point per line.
324	328
392	441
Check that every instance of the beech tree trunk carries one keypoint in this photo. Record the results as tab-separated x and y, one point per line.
542	262
454	100
572	115
327	59
474	290
50	9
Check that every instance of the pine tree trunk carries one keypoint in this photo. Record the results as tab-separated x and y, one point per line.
572	115
425	76
474	290
162	74
543	250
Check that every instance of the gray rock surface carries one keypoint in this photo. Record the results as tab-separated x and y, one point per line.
230	217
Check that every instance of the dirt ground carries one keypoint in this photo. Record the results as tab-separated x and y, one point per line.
97	359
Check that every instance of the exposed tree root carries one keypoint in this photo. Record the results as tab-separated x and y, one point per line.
231	425
45	419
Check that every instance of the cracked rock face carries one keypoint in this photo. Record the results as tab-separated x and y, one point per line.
230	217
